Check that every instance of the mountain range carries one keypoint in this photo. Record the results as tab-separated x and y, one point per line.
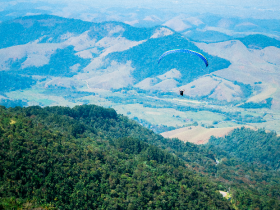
50	60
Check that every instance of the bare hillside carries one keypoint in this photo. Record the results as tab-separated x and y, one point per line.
250	66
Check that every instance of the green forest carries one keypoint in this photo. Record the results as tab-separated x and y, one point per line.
90	157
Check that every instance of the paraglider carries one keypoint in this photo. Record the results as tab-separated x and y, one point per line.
184	51
181	92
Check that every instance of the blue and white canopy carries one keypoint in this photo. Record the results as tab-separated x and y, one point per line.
184	51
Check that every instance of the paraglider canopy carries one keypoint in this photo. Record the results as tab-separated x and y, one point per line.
184	51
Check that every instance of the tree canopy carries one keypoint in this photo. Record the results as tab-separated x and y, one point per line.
89	157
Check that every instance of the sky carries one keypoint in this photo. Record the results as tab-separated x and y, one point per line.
263	9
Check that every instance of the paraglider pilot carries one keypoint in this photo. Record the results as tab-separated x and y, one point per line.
181	92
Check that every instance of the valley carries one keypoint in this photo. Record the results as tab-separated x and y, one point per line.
105	65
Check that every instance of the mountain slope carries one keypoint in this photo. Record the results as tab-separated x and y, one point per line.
256	67
144	59
253	146
141	46
56	161
104	154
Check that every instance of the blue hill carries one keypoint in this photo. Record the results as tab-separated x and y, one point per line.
144	59
144	56
259	41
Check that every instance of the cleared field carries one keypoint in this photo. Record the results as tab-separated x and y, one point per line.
35	97
198	134
167	116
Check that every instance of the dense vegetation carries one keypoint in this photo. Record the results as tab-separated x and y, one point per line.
91	157
80	159
251	146
251	158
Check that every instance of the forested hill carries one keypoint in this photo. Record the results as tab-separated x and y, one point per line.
89	157
86	158
251	146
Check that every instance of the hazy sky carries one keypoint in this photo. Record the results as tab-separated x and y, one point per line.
168	3
241	8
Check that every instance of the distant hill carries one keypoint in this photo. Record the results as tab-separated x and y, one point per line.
259	41
207	36
27	29
11	81
51	29
254	61
144	59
